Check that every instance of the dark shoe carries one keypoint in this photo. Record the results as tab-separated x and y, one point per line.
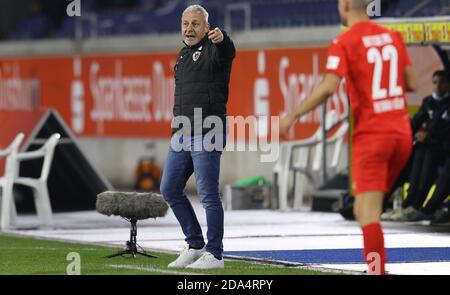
417	215
347	212
441	217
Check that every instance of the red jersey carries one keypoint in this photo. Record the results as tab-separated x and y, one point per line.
372	59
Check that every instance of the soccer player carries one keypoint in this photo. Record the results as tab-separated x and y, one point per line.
378	71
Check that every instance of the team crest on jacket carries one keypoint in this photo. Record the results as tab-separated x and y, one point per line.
196	55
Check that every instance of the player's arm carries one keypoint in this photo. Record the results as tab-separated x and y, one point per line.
410	79
409	75
325	89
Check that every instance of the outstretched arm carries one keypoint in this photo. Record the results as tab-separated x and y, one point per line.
326	88
224	45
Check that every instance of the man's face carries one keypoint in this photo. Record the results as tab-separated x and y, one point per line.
440	85
193	27
343	8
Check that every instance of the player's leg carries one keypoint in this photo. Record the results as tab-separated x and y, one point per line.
369	203
371	157
368	209
403	176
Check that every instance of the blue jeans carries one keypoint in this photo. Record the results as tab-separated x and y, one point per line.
179	166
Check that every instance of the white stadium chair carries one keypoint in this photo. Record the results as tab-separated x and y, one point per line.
302	172
282	169
7	205
38	185
304	158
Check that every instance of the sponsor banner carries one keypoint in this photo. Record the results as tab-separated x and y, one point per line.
131	95
438	32
412	33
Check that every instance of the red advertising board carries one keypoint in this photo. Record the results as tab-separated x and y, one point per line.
131	95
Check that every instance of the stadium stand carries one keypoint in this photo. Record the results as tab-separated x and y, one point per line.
264	14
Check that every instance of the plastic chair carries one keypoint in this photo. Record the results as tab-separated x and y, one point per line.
297	155
282	167
39	185
300	167
7	182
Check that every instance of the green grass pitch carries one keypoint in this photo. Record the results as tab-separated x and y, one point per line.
29	256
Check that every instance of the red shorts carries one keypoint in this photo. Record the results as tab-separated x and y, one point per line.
377	162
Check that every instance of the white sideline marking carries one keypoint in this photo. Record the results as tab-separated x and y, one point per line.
152	269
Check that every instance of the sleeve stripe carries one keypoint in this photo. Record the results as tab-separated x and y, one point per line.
333	62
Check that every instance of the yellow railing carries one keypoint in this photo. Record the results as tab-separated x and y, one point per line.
419	30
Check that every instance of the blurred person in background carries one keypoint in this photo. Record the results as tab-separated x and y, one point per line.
115	4
148	5
431	126
434	206
55	11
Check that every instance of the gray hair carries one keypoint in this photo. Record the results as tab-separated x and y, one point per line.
360	4
197	7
